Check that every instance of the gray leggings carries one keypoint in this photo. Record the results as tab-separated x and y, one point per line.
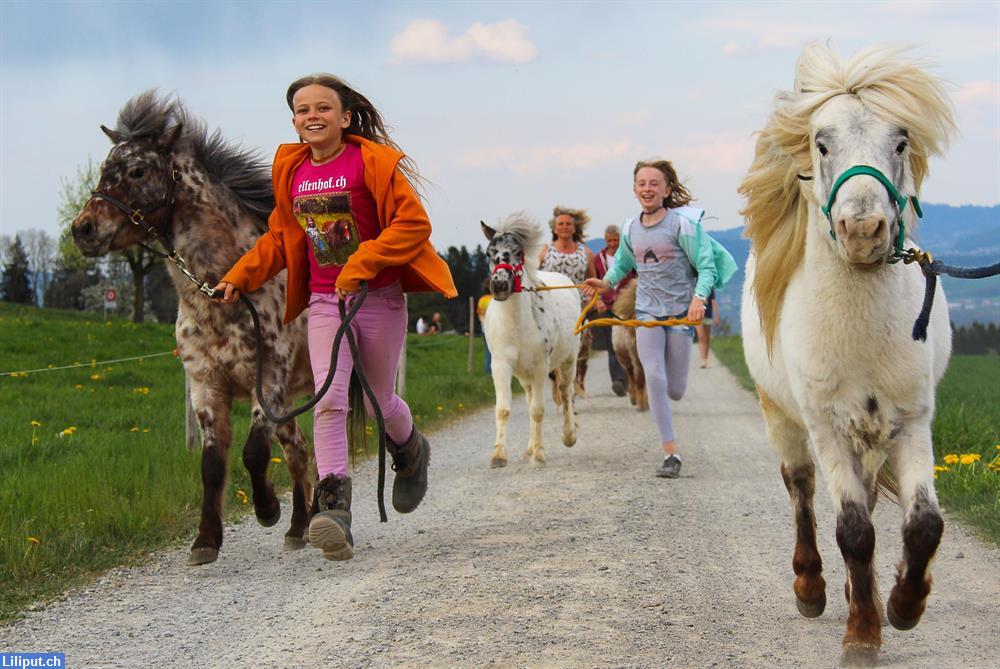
665	356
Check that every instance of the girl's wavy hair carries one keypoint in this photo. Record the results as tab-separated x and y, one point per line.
365	119
580	220
679	194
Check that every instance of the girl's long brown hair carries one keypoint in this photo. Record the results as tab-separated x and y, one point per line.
365	120
679	194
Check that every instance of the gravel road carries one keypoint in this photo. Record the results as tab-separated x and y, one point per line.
588	561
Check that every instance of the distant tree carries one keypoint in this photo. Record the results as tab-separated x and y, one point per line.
16	286
73	272
976	339
41	251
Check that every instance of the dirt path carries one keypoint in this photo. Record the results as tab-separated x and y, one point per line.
589	561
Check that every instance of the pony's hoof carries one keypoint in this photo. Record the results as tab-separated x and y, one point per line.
540	458
569	441
859	655
811	609
272	520
203	555
527	455
498	462
897	621
294	543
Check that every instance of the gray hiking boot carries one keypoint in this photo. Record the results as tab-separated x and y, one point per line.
409	461
330	526
671	467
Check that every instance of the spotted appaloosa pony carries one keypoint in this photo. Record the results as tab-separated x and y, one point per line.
530	334
625	348
827	320
221	197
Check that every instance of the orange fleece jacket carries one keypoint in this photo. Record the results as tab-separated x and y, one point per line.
404	240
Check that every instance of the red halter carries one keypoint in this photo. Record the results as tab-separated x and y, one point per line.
516	270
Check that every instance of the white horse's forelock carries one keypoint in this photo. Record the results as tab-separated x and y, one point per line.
528	232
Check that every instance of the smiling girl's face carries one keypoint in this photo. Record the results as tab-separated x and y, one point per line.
319	117
651	188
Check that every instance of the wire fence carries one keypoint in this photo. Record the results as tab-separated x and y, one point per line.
76	365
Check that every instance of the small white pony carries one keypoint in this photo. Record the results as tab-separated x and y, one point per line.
827	317
530	334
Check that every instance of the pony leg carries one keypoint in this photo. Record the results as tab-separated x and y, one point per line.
799	475
501	387
293	444
213	413
568	404
856	538
534	394
913	463
256	458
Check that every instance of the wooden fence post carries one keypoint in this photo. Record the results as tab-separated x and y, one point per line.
472	328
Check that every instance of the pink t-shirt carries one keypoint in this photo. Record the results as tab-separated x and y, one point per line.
337	213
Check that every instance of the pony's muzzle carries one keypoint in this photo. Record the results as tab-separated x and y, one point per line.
501	285
864	239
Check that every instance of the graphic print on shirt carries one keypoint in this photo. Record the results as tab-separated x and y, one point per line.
328	222
655	252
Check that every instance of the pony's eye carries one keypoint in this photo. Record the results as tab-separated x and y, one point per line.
136	173
822	149
901	147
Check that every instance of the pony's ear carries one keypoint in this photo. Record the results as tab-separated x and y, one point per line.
487	230
166	142
115	137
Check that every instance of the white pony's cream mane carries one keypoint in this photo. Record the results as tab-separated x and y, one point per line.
894	88
528	232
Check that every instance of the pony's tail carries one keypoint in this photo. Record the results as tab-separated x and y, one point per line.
887	485
357	419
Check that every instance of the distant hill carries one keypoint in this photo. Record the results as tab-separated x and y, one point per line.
966	236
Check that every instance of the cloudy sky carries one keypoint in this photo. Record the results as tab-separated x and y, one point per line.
504	106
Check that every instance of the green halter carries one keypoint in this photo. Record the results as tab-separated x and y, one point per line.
900	201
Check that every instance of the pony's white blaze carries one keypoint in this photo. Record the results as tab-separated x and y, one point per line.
530	334
827	322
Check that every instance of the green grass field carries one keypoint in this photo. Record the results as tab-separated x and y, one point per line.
93	467
966	433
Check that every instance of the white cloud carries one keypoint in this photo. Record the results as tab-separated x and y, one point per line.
728	153
978	91
428	41
536	159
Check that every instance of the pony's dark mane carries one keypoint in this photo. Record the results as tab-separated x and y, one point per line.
148	116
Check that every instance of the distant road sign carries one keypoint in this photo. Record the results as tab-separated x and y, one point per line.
110	295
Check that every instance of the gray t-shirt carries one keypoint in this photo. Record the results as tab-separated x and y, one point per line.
666	277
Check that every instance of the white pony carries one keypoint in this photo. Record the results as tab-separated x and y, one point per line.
530	334
827	317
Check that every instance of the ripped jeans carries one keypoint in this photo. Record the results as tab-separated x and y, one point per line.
379	328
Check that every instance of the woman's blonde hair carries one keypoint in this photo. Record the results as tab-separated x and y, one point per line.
580	220
679	194
365	120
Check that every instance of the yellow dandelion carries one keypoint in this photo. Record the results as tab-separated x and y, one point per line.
276	460
33	540
78	386
141	391
51	365
440	408
242	496
35	423
951	459
939	468
95	377
145	429
969	458
134	429
461	406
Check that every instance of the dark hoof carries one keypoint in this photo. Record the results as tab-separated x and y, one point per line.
203	555
496	463
294	543
898	622
859	655
811	609
272	520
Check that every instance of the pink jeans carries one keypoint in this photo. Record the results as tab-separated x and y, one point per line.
379	328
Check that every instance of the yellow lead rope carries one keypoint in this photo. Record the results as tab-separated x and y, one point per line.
632	323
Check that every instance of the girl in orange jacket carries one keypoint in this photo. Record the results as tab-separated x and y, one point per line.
345	212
